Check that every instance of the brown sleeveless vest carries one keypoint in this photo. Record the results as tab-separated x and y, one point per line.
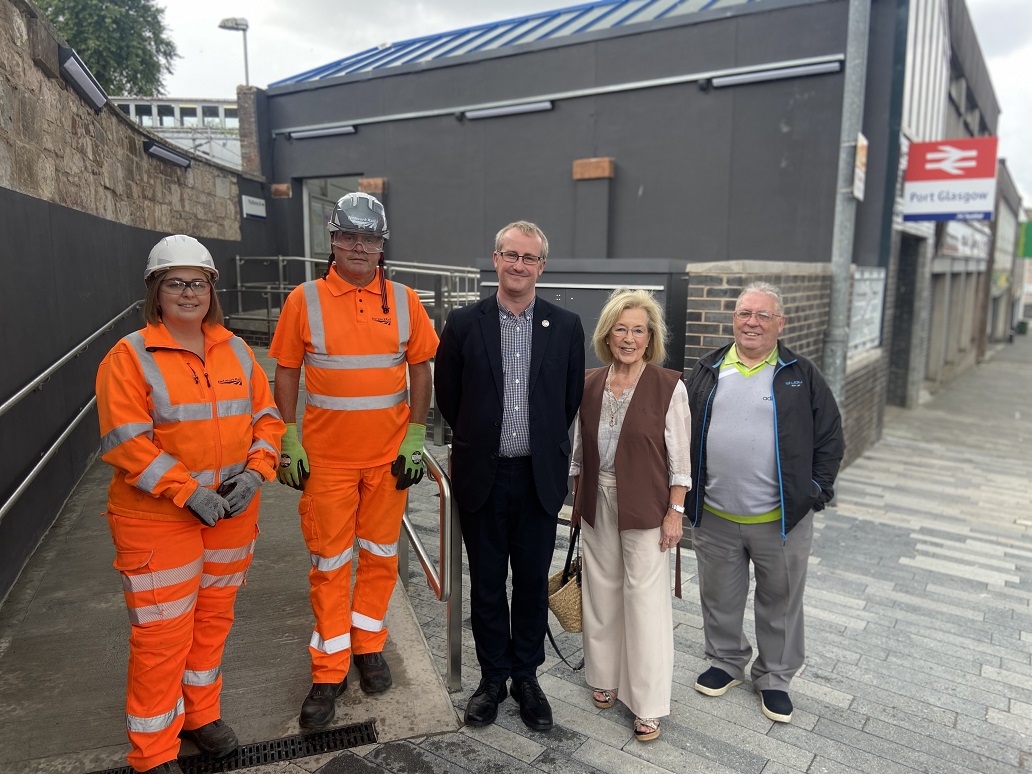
642	480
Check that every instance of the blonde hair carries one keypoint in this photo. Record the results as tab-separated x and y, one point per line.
620	300
152	310
528	228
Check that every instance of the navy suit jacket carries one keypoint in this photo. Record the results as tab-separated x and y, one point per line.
469	385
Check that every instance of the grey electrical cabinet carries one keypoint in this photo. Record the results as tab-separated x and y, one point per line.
583	285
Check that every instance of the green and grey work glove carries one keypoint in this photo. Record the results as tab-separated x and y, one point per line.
409	467
208	506
239	490
293	466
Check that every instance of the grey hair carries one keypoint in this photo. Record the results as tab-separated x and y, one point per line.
766	289
528	228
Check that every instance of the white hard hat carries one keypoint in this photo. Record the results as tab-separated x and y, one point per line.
180	251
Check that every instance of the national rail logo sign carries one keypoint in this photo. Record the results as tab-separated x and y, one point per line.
951	180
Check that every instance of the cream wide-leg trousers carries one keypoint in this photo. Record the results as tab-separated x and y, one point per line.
628	623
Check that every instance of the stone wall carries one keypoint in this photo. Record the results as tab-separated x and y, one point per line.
54	147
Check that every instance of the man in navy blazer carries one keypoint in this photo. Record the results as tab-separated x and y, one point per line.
509	374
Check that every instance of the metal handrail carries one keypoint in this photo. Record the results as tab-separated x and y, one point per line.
34	385
446	584
440	583
72	354
38	467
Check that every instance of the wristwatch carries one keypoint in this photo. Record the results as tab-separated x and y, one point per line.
674	507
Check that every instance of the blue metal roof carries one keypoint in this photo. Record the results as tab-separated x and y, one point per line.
547	25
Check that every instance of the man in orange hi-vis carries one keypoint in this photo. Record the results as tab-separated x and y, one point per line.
188	423
361	446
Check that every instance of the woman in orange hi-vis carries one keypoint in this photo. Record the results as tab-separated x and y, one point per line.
188	422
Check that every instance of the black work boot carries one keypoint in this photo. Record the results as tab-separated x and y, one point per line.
169	767
321	704
216	738
374	674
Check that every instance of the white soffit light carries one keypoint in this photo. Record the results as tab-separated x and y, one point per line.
165	154
75	71
508	110
308	134
777	74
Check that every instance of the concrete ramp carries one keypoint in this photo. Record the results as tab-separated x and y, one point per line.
64	648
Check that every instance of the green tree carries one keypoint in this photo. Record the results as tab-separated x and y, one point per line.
123	42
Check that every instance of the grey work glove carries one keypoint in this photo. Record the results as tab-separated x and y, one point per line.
206	505
239	491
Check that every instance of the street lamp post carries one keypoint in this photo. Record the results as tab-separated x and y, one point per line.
236	23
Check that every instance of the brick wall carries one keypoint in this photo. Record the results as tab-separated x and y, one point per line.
713	289
54	147
806	289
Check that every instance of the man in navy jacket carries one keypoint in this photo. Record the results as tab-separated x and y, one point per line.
509	374
766	447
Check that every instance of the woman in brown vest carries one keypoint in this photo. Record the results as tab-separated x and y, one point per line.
631	469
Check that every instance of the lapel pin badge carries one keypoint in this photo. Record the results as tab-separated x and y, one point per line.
544	323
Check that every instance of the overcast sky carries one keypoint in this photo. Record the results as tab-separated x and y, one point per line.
287	38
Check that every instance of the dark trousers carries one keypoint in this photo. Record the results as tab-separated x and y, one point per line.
511	529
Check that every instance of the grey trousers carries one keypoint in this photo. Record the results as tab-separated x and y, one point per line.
724	550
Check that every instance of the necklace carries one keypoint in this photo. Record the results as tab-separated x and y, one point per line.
617	403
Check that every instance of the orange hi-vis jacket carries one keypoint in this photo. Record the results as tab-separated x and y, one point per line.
170	422
355	358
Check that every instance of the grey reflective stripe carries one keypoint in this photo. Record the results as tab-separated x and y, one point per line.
163	611
203	477
225	555
266	412
231	470
379	549
320	358
354	362
262	444
156	723
331	563
238	407
186	412
158	579
364	622
356	404
240	350
222	581
207	677
164	411
124	433
152	474
315	321
332	645
401	313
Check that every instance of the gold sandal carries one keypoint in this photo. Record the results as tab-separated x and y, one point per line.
646	729
607	700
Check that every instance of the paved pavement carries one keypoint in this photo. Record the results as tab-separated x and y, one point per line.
919	628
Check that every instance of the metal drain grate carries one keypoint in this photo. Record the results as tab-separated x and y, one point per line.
275	751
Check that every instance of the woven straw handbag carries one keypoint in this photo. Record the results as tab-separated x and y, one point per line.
564	589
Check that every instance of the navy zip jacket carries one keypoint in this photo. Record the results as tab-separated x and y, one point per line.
809	434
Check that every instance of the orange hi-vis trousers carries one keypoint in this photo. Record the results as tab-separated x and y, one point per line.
180	581
338	507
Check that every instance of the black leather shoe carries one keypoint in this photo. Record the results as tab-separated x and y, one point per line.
373	672
534	707
482	708
216	738
320	704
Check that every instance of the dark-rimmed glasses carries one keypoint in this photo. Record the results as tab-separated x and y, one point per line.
511	257
200	287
